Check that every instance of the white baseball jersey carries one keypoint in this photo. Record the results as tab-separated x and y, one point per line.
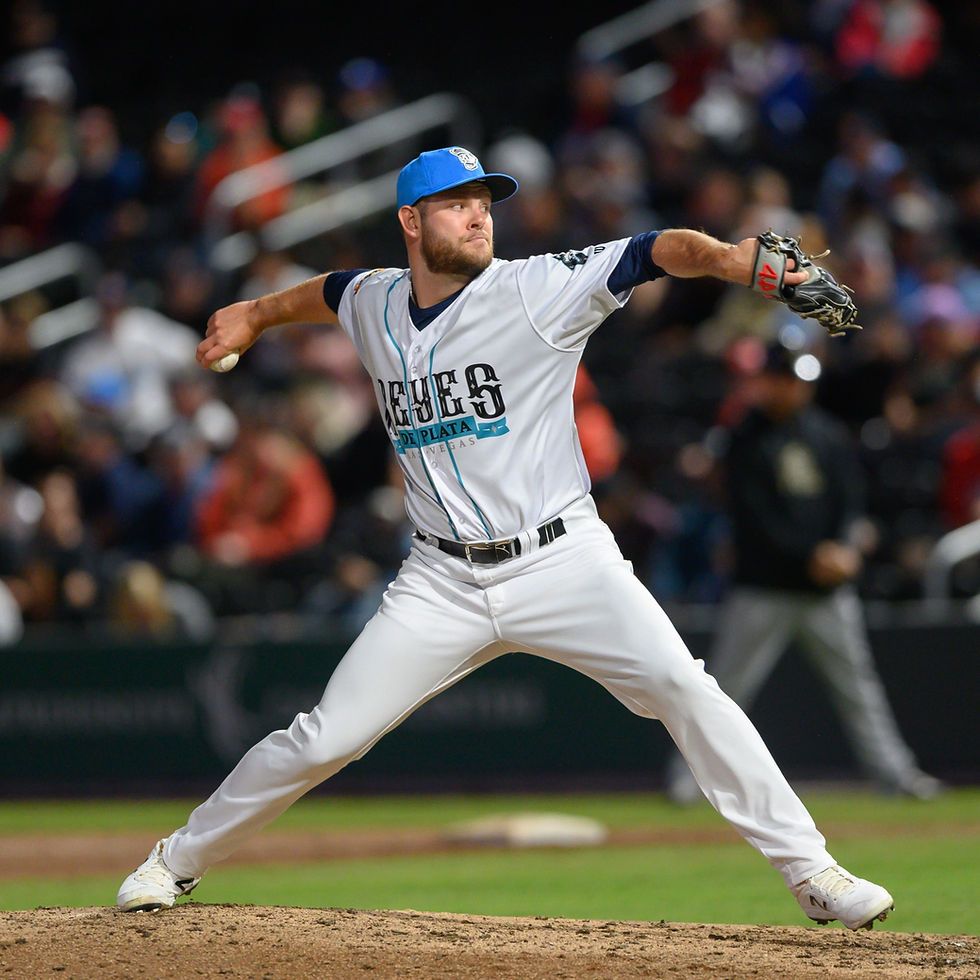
479	402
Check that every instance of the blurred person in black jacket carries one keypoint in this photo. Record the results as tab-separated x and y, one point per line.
796	509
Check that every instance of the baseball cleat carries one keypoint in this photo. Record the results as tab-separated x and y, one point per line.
837	894
153	886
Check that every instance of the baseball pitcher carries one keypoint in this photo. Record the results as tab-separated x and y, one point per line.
473	361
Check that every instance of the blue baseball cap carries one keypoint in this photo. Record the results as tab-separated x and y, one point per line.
452	166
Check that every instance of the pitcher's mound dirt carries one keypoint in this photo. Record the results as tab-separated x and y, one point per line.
246	941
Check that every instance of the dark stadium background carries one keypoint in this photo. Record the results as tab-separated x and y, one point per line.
147	62
153	59
160	57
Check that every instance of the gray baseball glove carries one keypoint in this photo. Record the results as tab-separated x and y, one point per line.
821	297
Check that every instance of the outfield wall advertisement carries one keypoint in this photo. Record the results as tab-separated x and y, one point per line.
77	717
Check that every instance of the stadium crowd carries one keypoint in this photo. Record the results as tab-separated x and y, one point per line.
139	490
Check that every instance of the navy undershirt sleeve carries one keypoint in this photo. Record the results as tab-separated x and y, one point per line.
636	266
335	284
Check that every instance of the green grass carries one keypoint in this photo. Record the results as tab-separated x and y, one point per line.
616	810
927	856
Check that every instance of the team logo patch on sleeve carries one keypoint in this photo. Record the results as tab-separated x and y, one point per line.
572	258
367	275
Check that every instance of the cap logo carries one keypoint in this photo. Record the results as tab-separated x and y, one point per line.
467	159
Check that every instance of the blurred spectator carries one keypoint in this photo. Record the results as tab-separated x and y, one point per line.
19	361
243	141
693	563
889	38
869	258
61	570
857	387
199	412
960	492
189	289
168	190
860	171
716	200
120	496
182	459
183	468
751	88
100	206
365	90
535	224
11	619
277	361
602	445
41	168
300	114
936	298
270	502
272	271
46	417
366	548
675	151
769	204
594	107
38	68
122	370
142	602
916	205
605	188
901	454
966	216
600	156
340	423
713	203
696	52
21	508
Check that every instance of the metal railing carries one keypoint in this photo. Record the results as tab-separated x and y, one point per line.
955	546
231	250
68	261
637	25
61	262
623	32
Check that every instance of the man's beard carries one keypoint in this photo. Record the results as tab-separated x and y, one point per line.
443	258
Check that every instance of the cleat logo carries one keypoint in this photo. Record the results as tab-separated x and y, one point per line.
819	904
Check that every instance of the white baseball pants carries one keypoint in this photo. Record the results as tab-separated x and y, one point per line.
574	601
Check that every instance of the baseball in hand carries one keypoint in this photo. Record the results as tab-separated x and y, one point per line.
225	363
